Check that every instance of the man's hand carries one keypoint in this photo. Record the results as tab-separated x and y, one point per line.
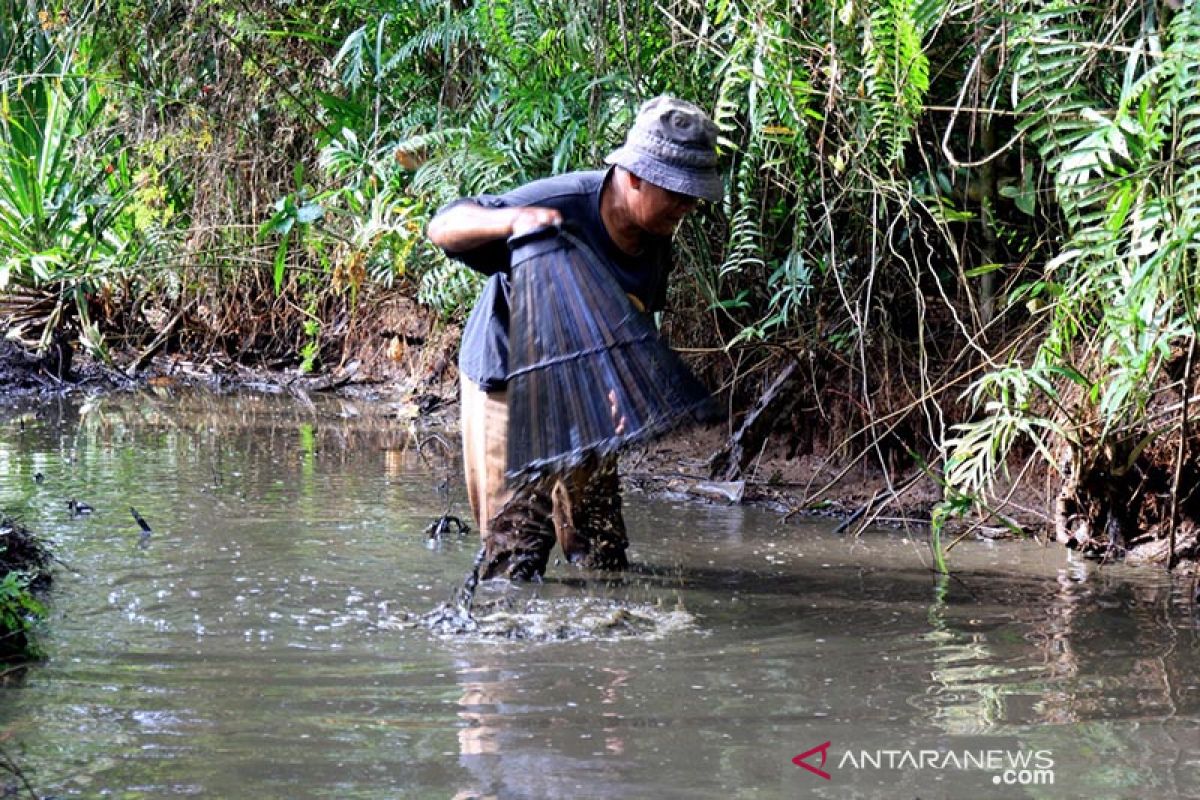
618	418
534	217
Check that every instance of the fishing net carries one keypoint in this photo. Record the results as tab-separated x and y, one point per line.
588	373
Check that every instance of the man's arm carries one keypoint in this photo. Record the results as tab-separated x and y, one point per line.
466	226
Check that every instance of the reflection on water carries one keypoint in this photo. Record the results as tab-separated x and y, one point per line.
249	646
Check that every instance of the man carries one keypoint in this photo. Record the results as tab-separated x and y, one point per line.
626	215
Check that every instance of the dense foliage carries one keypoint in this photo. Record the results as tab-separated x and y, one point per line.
24	569
973	224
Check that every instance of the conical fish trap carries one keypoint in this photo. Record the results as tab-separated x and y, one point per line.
588	374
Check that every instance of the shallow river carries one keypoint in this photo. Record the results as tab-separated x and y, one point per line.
259	643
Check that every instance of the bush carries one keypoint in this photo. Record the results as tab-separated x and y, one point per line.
24	567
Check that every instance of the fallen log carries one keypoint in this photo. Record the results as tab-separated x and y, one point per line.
730	462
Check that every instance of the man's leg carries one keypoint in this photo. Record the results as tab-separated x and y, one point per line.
521	535
516	529
583	508
484	423
573	545
587	515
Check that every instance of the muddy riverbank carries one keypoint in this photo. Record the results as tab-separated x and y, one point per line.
408	374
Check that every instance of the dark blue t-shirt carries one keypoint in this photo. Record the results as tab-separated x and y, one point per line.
483	356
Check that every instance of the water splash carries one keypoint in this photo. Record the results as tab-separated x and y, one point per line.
564	619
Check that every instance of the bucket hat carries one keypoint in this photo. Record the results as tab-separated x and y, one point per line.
673	144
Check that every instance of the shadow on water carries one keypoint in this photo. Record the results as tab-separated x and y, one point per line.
261	642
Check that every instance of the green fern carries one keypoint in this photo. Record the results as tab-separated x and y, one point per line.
1051	47
898	76
353	53
765	106
1127	179
438	37
449	287
1181	91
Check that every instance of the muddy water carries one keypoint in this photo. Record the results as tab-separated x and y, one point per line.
259	643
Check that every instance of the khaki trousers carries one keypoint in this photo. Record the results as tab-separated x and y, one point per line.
580	510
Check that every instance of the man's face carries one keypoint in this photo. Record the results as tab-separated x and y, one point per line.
657	210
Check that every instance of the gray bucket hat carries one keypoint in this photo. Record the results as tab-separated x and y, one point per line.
673	144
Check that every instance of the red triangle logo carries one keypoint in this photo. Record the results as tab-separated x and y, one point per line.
801	760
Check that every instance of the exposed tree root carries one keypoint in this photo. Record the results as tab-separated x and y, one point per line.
1117	503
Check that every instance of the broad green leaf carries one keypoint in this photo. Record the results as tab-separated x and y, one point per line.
983	269
280	261
309	213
